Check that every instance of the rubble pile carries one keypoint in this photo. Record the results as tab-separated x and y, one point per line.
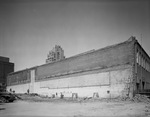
2	100
141	98
7	97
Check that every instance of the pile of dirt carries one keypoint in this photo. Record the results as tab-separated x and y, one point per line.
141	98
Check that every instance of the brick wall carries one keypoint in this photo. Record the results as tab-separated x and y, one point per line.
103	58
116	80
20	77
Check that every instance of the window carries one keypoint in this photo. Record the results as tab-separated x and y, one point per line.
145	65
144	62
148	66
141	60
137	57
58	54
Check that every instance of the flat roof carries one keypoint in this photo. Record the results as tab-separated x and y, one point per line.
4	59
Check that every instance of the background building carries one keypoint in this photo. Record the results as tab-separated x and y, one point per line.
119	70
5	68
56	54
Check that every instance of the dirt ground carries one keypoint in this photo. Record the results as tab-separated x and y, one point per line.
21	108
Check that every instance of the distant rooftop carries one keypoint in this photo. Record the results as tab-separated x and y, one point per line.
4	59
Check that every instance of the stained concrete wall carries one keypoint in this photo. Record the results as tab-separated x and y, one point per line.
116	82
121	82
84	85
107	84
22	88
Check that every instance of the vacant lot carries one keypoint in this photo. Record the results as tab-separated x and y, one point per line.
62	108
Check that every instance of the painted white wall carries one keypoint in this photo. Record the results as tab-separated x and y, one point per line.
22	88
78	81
32	72
117	82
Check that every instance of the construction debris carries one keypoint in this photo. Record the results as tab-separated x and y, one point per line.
7	97
141	98
35	97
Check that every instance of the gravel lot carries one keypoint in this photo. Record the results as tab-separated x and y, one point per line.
75	109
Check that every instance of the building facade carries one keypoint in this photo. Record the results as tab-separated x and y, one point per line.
142	69
5	68
117	70
56	54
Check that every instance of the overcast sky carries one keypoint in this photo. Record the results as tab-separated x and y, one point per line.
30	28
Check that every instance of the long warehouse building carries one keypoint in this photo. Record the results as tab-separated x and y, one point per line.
119	70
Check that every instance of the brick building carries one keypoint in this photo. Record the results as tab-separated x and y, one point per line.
119	70
5	68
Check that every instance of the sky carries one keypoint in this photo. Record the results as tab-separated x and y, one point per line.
29	29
